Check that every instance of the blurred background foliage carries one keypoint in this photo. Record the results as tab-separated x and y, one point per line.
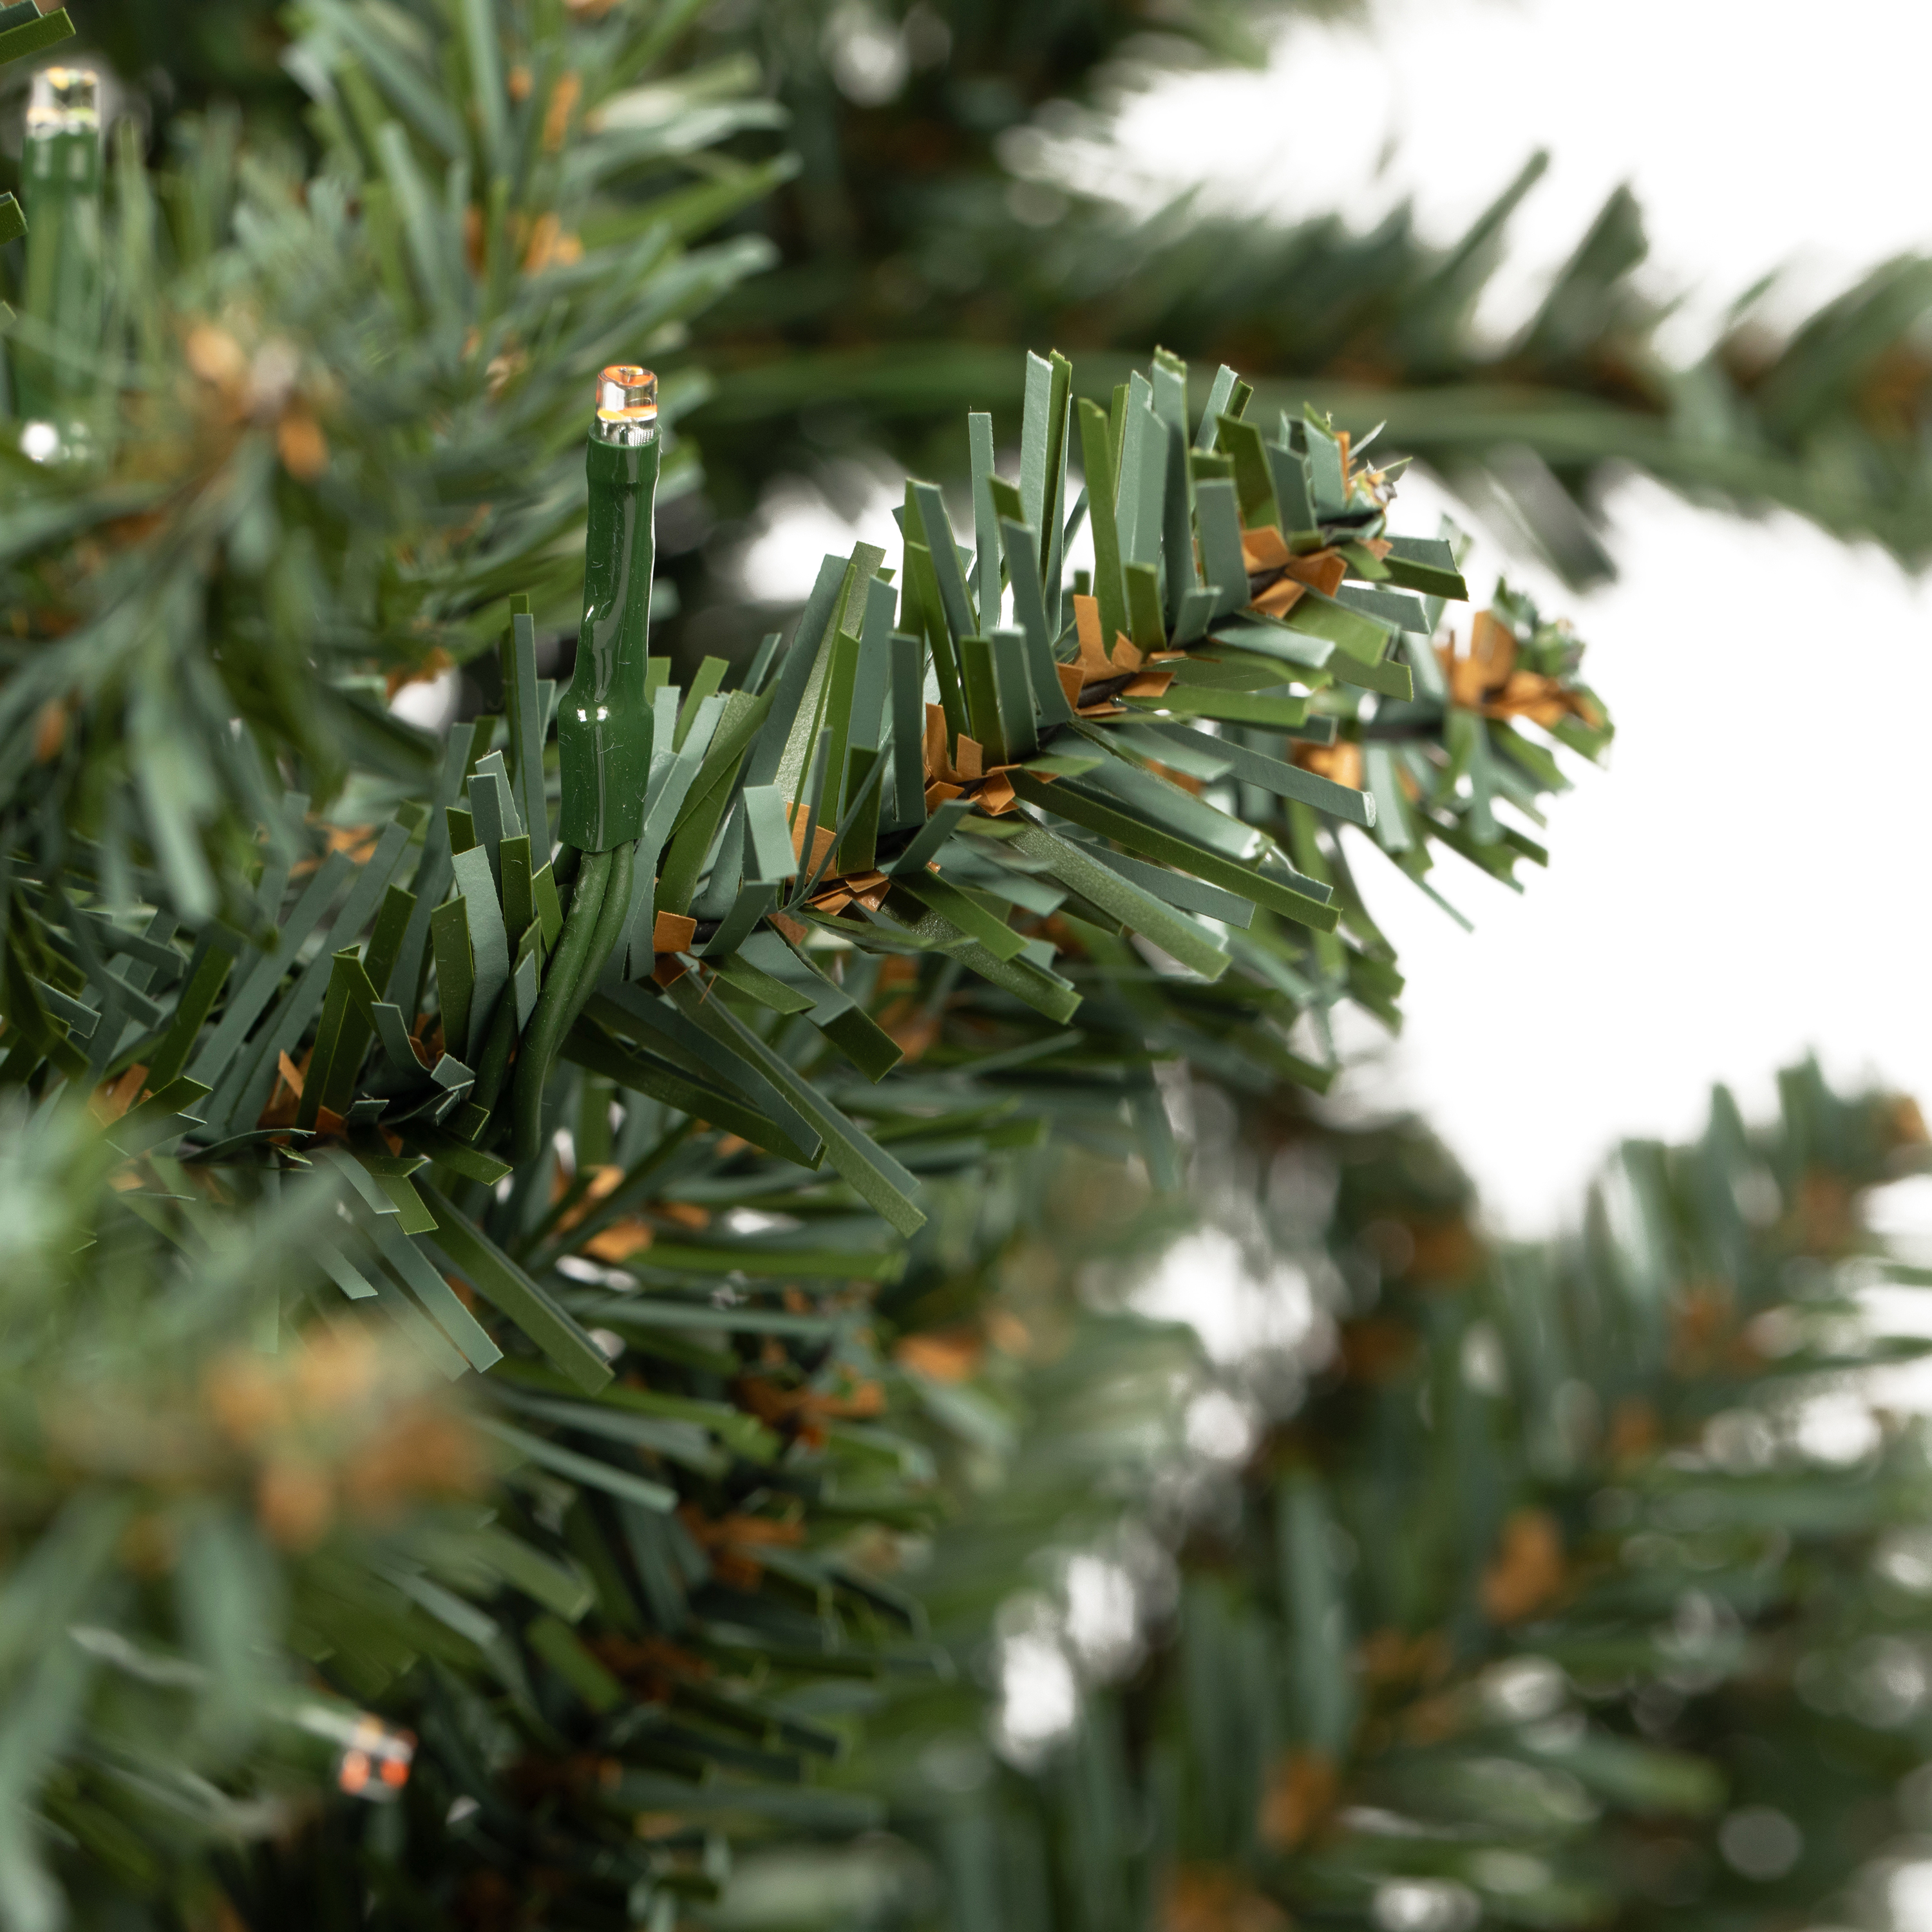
186	1515
927	226
1579	1584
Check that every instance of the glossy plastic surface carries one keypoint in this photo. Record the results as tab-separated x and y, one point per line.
604	723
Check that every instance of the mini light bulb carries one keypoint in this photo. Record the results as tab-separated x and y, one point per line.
64	100
627	407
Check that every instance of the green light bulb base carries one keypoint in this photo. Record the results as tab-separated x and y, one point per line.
604	723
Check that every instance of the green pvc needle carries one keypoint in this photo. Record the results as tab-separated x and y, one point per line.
604	724
22	11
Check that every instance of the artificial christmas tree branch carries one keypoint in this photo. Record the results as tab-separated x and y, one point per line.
839	997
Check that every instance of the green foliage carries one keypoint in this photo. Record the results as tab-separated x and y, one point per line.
910	251
1375	327
505	1312
927	228
1581	1583
335	420
191	1512
632	1177
285	1056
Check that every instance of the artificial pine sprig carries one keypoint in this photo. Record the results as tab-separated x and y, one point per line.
846	1007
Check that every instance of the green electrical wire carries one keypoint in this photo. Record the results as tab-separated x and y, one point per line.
611	918
556	1003
598	909
494	1066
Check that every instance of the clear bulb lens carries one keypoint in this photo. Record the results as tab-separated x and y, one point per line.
627	405
65	100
